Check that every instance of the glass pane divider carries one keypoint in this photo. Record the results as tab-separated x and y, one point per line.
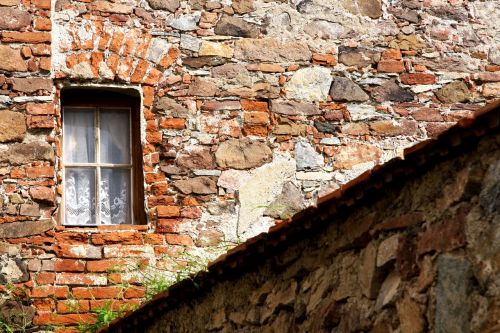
98	169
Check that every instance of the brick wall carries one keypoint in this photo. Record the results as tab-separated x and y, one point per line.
250	110
418	254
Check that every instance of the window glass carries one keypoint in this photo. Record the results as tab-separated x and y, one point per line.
114	126
115	196
79	189
79	135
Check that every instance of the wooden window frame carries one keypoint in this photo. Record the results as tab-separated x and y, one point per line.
101	98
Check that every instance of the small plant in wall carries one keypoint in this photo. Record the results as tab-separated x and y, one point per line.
16	314
104	316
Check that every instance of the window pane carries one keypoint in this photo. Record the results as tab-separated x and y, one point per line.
79	137
80	196
115	196
115	136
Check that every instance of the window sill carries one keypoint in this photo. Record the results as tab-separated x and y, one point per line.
142	227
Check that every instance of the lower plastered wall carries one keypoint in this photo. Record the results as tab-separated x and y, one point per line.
423	257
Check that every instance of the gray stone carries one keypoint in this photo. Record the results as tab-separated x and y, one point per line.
170	107
158	47
494	55
359	57
186	22
13	18
242	154
235	26
29	210
489	198
170	5
12	270
293	108
309	84
189	42
16	198
326	127
12	126
21	153
206	87
29	85
367	272
9	249
343	89
454	92
306	157
12	60
197	185
289	202
452	295
23	229
391	91
270	50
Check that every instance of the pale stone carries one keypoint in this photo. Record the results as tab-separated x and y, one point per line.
157	49
187	22
261	190
13	18
232	180
330	141
387	250
364	112
242	154
454	92
491	89
170	5
306	157
270	50
315	175
20	153
494	55
215	49
189	42
309	84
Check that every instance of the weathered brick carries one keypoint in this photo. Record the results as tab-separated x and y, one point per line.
50	291
390	66
69	265
81	279
78	251
173	123
417	78
179	239
122	237
168	211
26	37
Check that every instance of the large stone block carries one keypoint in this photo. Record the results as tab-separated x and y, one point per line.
271	50
242	154
309	84
13	18
11	60
12	126
21	153
23	229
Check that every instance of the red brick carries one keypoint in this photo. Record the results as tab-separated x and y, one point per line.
249	105
72	238
73	306
25	37
179	239
151	177
113	265
115	304
154	239
135	292
167	225
324	59
168	211
391	66
78	251
40	108
81	279
42	194
50	291
44	304
139	72
173	123
43	4
66	319
69	265
122	237
43	23
39	172
262	131
172	55
417	78
391	54
40	121
97	292
191	212
45	278
256	118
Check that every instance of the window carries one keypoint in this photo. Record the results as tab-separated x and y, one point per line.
102	163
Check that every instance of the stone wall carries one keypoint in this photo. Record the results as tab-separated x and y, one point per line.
250	110
422	257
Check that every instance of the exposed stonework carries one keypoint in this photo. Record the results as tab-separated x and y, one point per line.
226	88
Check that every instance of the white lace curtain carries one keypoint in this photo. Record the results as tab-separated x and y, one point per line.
113	167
